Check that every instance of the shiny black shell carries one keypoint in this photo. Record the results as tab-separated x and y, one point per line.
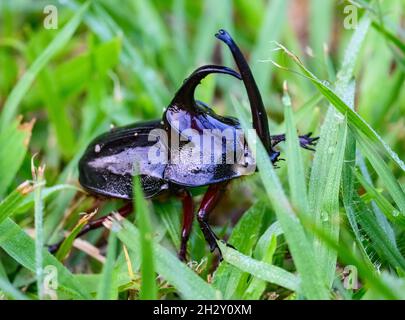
107	165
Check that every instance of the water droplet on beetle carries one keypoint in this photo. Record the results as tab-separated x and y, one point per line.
97	148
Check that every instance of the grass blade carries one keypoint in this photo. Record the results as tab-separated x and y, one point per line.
148	285
353	118
9	205
230	280
14	141
264	251
382	170
8	290
21	248
312	284
378	236
295	163
259	269
19	91
324	188
38	175
387	208
107	289
67	243
188	284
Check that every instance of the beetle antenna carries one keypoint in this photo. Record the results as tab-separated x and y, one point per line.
260	123
185	95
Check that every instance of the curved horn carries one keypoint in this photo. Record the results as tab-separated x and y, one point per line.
185	95
258	111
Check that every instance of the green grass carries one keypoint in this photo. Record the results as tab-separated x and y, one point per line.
296	229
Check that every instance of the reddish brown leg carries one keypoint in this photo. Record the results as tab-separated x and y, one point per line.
188	216
95	224
208	203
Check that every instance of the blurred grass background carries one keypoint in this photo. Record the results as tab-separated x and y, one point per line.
302	231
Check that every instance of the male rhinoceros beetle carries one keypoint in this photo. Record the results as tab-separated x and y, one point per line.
107	167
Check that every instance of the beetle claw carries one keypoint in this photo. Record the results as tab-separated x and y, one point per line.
306	141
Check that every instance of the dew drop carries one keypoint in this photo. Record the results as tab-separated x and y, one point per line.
324	216
395	213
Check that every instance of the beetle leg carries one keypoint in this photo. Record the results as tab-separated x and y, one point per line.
94	224
306	141
208	203
188	216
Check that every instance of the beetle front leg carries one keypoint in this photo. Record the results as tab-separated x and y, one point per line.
208	203
188	216
306	141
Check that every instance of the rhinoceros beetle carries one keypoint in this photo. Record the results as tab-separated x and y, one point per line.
106	168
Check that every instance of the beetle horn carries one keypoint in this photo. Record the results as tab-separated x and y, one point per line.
185	95
260	123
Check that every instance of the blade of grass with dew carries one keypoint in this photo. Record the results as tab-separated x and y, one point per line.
354	119
148	275
188	284
14	141
376	233
329	159
10	107
312	285
107	289
38	177
259	269
295	163
349	257
228	279
348	194
346	89
15	242
324	186
383	171
381	218
325	203
393	214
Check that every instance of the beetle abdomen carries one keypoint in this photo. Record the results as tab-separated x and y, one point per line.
106	167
